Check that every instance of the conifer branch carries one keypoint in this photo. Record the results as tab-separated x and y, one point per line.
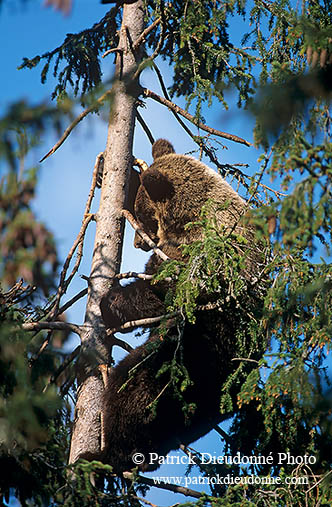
77	120
231	137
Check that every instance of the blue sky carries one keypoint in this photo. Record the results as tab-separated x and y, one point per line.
65	177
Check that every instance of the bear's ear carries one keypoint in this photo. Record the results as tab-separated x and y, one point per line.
158	186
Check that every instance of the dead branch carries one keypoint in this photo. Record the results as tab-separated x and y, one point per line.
143	235
113	50
194	456
141	322
222	167
143	276
113	341
164	90
45	343
49	335
144	126
17	291
162	485
72	301
60	326
259	179
133	274
94	181
143	500
155	53
77	120
142	37
118	276
245	359
223	434
63	285
79	242
69	359
231	137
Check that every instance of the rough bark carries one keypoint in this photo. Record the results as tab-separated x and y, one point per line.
87	431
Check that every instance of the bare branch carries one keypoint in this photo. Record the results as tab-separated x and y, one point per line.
69	359
143	500
144	126
95	173
231	137
63	285
60	326
113	50
79	242
143	276
245	359
72	301
222	167
155	53
142	322
259	179
142	37
164	89
120	343
223	434
143	235
77	120
194	456
133	274
162	485
43	346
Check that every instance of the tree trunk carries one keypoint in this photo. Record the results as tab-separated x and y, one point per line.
87	432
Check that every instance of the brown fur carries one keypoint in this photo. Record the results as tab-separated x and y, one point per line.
162	147
176	187
143	412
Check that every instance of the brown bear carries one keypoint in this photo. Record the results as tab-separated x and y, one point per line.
167	391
